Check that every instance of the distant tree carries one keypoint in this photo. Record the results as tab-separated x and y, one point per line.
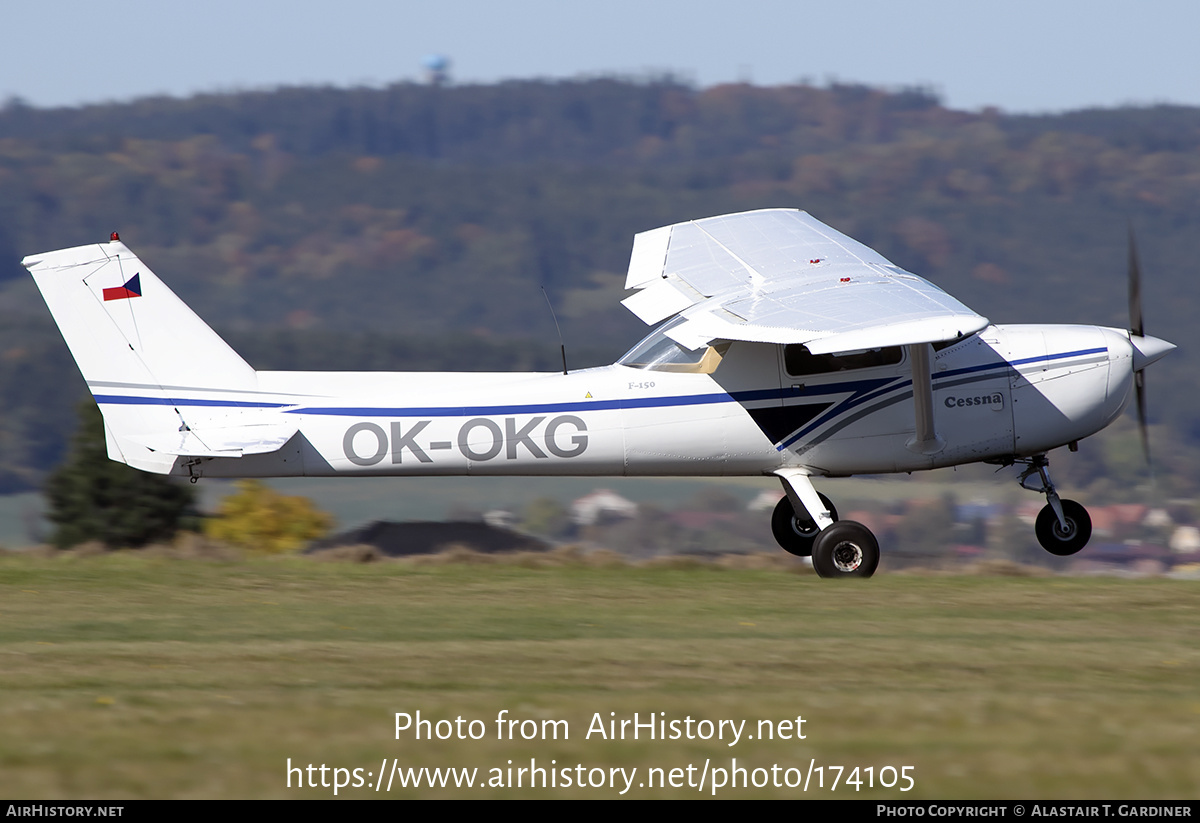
261	519
94	498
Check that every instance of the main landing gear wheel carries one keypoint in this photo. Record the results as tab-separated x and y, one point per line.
1057	540
796	535
845	549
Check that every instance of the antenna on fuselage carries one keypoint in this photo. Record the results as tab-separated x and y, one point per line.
561	344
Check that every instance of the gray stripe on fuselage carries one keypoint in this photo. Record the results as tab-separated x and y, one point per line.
112	384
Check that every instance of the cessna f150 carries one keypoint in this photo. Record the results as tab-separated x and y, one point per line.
786	348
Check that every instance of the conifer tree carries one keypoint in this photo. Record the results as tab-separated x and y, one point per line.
93	498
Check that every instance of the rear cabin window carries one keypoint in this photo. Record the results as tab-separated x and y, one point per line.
799	361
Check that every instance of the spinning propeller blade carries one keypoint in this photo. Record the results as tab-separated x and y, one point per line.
1146	350
1137	327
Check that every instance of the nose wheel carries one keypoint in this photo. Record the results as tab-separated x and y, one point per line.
1063	527
1057	538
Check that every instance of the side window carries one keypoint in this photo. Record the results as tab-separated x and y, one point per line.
657	352
798	361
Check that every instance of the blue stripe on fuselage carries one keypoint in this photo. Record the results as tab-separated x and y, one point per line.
861	391
530	408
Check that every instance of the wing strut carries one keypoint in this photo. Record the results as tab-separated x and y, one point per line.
926	440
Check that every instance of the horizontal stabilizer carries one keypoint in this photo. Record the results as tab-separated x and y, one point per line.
232	441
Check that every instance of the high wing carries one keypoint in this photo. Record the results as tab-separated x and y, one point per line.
782	276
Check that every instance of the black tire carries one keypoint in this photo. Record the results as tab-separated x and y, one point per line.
796	536
845	549
1051	535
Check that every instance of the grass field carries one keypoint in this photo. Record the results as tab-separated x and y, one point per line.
130	676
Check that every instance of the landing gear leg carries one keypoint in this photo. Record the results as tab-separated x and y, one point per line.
800	517
839	548
1063	527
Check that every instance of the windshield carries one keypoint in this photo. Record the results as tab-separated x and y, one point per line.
657	352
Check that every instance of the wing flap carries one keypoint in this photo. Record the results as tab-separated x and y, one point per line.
660	300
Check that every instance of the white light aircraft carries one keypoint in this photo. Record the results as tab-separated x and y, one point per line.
788	349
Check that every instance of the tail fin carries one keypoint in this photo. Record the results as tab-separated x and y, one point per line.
143	352
124	326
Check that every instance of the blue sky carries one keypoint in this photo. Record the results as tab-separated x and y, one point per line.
1020	56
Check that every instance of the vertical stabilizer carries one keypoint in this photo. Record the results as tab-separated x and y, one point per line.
139	347
123	325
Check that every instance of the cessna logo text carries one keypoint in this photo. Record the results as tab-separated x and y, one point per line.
479	439
996	399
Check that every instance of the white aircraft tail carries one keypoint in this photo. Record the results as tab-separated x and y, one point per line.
155	368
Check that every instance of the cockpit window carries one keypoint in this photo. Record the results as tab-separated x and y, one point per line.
799	361
657	352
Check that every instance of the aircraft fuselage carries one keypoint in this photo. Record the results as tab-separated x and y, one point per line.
1007	391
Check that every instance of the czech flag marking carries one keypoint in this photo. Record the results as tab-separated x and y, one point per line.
132	288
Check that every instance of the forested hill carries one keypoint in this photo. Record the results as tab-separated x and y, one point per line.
412	226
598	121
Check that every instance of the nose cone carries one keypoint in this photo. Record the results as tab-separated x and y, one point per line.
1147	350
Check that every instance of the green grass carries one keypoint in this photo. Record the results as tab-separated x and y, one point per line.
127	676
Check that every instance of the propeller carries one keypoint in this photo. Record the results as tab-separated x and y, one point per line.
1146	350
1137	328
